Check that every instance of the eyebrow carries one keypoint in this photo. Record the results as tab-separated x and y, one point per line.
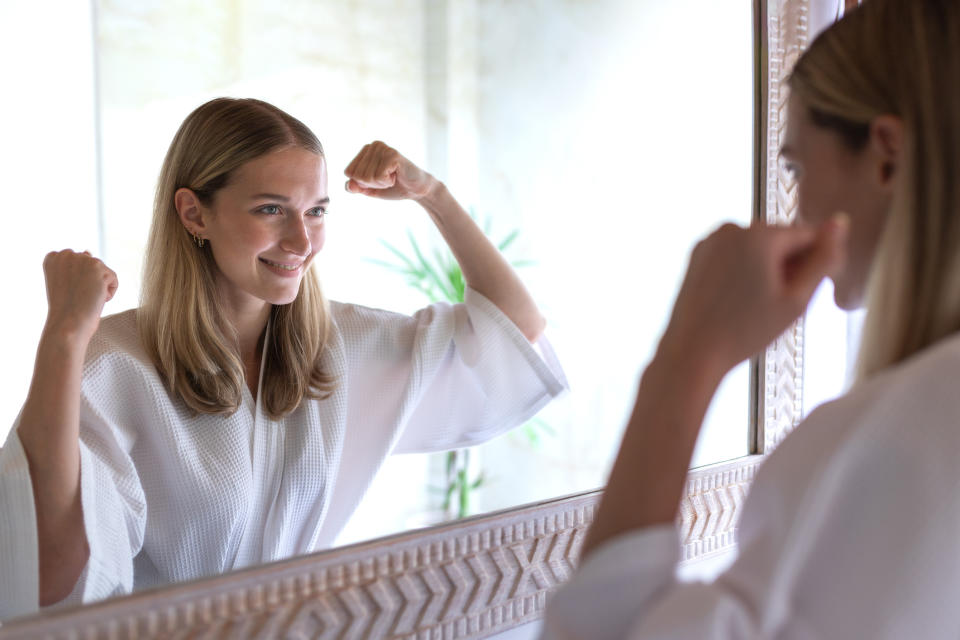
277	196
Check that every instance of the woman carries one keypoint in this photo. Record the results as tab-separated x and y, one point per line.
849	529
236	417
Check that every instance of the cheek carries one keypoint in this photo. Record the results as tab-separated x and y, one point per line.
818	198
865	232
803	205
808	205
318	237
246	237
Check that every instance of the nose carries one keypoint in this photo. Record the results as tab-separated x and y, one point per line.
296	238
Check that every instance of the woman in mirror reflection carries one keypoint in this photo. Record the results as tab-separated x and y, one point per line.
237	417
850	526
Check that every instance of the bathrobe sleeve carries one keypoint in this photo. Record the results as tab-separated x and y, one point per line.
449	376
114	508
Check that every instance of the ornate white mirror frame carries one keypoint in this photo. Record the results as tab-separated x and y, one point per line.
486	574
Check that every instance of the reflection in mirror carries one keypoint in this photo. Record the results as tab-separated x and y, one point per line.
612	134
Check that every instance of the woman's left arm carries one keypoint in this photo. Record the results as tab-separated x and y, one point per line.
380	171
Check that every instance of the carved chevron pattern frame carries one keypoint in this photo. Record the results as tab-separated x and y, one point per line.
487	574
787	22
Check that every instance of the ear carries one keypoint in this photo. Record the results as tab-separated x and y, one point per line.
192	213
886	142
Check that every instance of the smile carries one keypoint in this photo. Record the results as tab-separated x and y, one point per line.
281	266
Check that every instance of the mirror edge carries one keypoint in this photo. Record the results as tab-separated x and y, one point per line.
465	579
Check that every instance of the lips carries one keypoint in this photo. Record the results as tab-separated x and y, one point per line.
281	265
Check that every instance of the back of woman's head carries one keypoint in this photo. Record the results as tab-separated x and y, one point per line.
902	58
181	319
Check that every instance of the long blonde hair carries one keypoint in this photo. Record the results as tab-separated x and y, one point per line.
181	318
900	57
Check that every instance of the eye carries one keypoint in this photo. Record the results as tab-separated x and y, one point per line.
269	209
317	212
792	168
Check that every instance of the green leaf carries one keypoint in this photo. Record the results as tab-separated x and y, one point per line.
449	498
452	274
459	285
388	265
403	258
431	272
451	461
506	242
543	425
532	435
444	261
464	504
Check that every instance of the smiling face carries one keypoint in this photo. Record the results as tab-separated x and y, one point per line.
831	177
266	225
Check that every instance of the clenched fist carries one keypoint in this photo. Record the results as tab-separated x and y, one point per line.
78	285
744	287
380	171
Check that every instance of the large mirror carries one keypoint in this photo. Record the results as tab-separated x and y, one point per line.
610	135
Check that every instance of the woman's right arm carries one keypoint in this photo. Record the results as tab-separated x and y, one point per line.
78	286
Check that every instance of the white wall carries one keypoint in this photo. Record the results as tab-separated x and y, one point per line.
618	132
48	177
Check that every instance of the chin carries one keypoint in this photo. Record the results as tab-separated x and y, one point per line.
281	300
281	297
846	298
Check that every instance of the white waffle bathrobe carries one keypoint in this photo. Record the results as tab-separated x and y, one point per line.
169	495
850	531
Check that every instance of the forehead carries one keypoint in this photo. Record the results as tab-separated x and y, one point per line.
287	169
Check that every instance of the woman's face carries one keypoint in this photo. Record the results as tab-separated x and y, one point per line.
267	224
831	178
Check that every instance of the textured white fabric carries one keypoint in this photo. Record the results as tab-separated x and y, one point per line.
169	495
850	531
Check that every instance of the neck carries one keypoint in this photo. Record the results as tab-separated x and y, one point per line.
249	318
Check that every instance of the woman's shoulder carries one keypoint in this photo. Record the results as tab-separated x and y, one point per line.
117	340
923	387
897	427
351	317
907	412
347	310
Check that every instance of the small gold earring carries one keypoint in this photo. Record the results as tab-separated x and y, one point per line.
198	240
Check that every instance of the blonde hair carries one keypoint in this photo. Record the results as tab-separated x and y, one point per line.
181	318
900	57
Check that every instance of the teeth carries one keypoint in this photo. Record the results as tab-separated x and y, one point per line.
285	267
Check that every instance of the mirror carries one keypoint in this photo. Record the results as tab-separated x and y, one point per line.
612	134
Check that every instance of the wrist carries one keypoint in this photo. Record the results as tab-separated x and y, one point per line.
433	195
64	338
687	365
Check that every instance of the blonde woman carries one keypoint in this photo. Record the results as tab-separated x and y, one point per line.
850	527
237	417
